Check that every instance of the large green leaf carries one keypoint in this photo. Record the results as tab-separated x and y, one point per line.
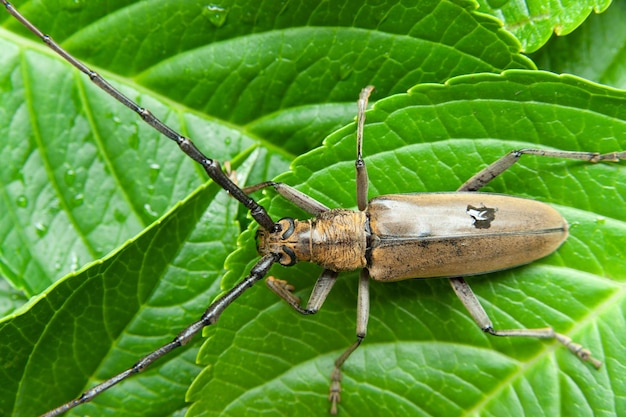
423	354
116	309
81	176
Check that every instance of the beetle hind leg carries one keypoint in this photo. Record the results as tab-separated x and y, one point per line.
549	333
469	300
578	350
483	177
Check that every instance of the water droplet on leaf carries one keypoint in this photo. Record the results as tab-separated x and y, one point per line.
78	199
21	201
154	171
70	176
41	229
149	210
216	14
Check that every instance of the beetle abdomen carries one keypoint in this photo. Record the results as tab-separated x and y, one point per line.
458	234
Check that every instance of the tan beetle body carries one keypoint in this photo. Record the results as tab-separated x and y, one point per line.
422	236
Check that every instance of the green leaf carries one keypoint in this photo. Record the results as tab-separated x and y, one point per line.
424	355
533	22
82	175
595	51
115	310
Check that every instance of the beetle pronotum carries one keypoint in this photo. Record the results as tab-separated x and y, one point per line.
482	214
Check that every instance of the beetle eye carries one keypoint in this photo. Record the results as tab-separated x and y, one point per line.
288	257
287	226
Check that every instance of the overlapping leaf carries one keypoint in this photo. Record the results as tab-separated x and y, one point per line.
595	51
533	22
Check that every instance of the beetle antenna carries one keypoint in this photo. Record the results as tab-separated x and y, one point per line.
211	166
210	316
361	171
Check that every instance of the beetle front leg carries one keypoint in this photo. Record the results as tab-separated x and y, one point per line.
298	198
321	289
469	300
498	167
362	316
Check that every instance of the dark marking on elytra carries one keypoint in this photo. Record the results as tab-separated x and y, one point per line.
482	216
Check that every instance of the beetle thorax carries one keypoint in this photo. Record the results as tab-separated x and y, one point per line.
335	240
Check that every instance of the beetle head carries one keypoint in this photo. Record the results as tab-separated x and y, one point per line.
278	242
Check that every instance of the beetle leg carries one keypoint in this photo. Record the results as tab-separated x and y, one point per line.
469	300
320	291
361	170
483	177
362	316
298	198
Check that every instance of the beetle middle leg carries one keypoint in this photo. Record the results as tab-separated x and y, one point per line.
320	291
328	277
362	316
363	309
469	300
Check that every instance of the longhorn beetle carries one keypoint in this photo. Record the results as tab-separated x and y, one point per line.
389	238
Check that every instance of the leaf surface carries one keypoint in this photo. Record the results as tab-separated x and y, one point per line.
84	178
424	355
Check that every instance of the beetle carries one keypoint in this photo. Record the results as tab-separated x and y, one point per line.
423	235
373	239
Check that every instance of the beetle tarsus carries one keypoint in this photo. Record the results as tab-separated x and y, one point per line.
334	394
285	291
275	282
335	378
578	350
